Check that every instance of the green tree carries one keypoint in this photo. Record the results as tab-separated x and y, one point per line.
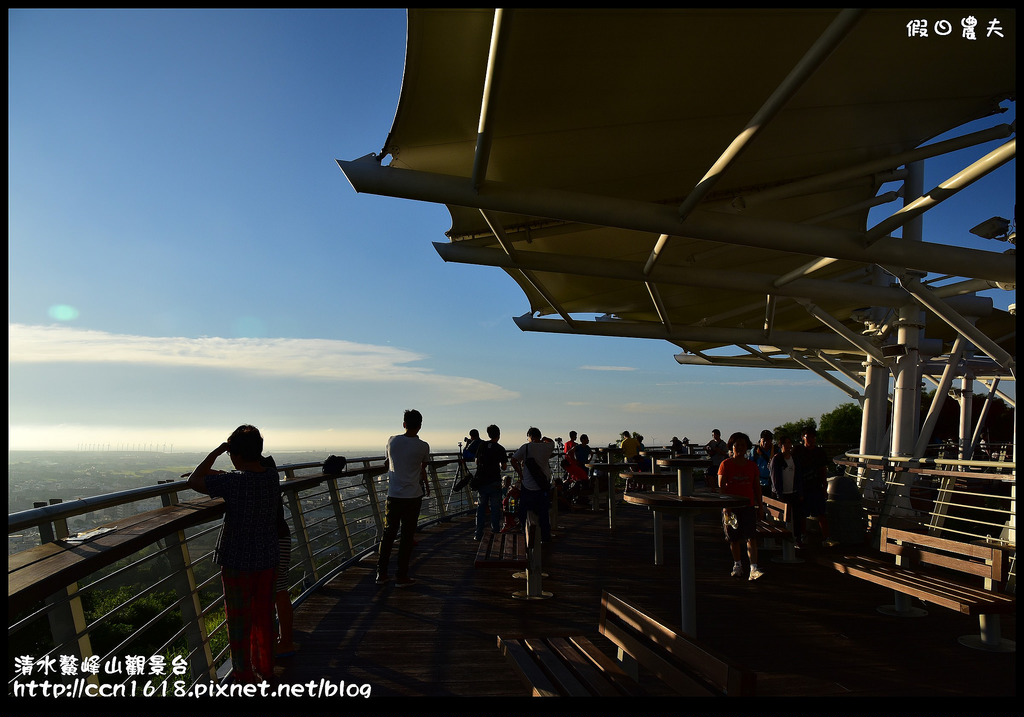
841	425
794	429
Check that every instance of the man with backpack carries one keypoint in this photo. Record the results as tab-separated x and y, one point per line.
532	463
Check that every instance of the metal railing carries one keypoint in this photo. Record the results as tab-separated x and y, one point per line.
963	500
164	603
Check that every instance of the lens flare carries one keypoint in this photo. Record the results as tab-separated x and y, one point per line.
63	312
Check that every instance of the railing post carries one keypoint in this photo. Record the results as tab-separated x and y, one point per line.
301	533
338	505
436	487
67	616
184	585
371	494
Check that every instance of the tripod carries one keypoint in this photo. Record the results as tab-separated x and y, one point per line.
462	477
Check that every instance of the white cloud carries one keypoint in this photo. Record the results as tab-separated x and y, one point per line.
607	368
305	359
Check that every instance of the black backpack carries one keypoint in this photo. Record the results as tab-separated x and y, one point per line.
334	465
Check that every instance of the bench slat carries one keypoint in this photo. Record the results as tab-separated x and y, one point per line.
680	656
501	550
933	589
609	668
554	667
984	561
531	675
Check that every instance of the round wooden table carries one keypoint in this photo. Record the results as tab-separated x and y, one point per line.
684	470
611	469
684	507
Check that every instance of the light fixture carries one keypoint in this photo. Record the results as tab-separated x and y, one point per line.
994	228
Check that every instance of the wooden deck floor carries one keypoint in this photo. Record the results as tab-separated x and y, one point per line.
806	630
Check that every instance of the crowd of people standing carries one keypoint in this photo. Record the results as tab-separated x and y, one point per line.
253	550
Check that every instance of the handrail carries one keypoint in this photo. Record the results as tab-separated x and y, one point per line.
334	519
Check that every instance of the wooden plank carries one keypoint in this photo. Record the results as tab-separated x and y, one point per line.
531	674
933	589
355	630
609	667
553	666
679	652
983	561
48	569
597	681
506	550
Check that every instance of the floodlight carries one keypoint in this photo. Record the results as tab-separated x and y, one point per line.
994	228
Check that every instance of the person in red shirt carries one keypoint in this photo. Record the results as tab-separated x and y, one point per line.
739	476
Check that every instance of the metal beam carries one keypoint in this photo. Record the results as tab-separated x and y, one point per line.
366	175
939	398
484	131
966	328
828	377
833	35
856	340
528	276
705	334
813	185
987	164
581	265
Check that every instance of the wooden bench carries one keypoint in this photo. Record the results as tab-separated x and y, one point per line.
777	522
944	583
575	667
501	550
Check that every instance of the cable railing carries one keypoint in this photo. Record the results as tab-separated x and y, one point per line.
151	614
956	499
149	608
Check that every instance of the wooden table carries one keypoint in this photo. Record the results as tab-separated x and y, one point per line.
654	480
684	507
684	470
611	469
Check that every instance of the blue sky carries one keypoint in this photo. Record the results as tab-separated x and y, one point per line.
185	256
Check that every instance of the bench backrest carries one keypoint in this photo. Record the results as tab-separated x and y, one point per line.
674	657
776	509
983	560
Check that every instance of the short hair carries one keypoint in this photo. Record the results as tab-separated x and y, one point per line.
784	438
766	433
715	430
584	438
810	431
625	434
572	435
739	437
413	419
533	432
246	442
473	433
493	432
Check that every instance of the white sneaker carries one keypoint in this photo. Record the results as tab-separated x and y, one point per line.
737	571
755	573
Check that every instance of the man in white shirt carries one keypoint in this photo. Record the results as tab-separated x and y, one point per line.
535	495
405	458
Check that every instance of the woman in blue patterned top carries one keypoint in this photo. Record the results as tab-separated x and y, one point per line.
247	549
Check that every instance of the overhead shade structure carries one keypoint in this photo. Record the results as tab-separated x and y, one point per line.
705	176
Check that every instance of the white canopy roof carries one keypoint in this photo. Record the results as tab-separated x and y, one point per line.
705	176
